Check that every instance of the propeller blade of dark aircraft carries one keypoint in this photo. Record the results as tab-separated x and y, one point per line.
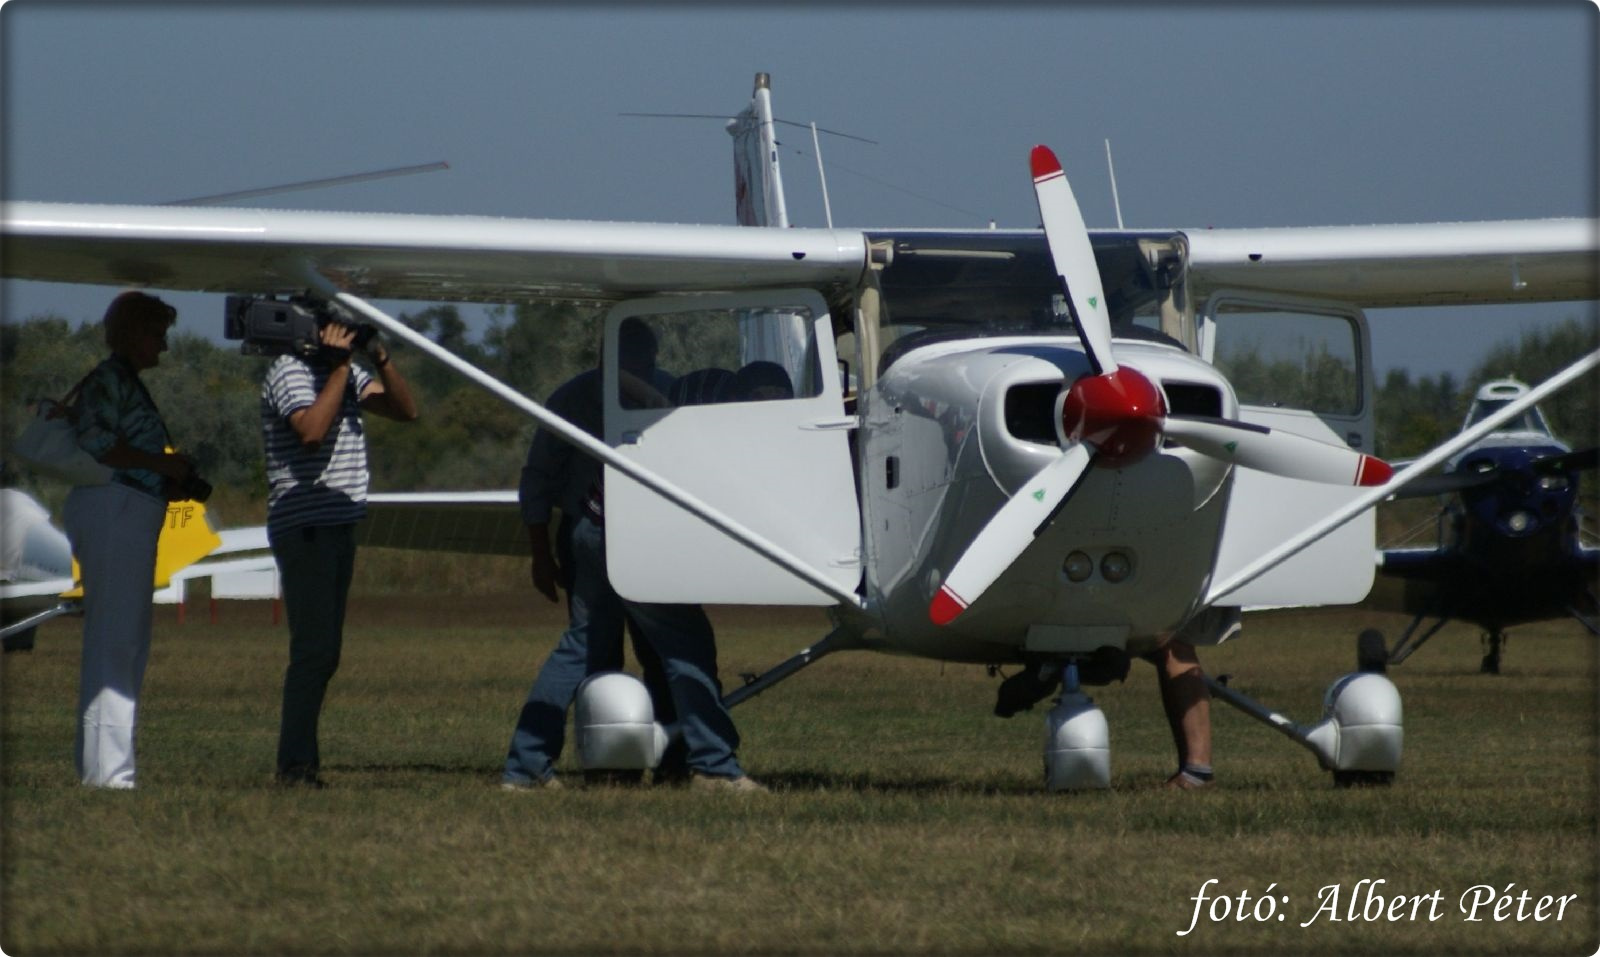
1009	533
1581	459
1074	258
1277	452
1446	484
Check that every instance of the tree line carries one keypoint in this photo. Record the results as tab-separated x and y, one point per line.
209	395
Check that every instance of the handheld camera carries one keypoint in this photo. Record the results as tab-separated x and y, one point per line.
292	326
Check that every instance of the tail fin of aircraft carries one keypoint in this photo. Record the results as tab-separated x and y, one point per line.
186	538
757	181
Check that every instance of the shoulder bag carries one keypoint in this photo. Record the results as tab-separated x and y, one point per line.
49	444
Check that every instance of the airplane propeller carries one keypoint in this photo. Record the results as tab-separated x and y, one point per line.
1116	416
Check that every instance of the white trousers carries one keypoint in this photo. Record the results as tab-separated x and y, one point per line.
113	530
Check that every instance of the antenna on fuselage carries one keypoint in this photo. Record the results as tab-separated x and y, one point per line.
822	177
1112	169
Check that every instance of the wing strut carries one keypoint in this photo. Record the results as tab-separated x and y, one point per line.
65	608
1403	478
588	443
840	639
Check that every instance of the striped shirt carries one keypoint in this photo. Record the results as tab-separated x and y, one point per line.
114	403
324	484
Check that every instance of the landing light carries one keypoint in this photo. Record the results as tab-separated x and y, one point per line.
1116	567
1519	521
1078	567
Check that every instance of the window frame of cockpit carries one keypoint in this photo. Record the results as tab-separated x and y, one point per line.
1151	265
1356	425
1481	409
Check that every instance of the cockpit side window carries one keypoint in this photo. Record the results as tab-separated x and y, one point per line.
1296	359
709	357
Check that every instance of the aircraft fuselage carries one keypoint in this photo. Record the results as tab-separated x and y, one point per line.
952	430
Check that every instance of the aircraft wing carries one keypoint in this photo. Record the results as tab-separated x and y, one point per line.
395	256
1547	260
251	538
228	566
475	523
487	259
51	588
27	604
1420	564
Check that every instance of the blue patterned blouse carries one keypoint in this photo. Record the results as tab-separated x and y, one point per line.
114	403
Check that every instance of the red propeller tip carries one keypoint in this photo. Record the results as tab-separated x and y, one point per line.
1373	471
945	607
1044	162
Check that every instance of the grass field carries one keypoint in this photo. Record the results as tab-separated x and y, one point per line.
904	818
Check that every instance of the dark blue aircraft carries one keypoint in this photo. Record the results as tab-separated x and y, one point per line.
1510	547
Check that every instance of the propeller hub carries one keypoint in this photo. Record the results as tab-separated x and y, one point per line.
1119	413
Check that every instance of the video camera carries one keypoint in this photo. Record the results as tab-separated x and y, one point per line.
292	326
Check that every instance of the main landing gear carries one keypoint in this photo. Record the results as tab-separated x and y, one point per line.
1360	736
1358	740
1494	642
614	722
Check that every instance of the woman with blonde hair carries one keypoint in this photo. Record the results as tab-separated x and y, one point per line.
114	528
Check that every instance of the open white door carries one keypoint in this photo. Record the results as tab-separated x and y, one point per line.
743	409
1304	367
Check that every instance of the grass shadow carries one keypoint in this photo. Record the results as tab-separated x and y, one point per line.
867	783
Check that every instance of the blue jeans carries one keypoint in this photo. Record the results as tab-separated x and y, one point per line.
315	564
679	634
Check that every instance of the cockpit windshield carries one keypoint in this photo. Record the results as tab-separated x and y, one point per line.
943	285
1529	421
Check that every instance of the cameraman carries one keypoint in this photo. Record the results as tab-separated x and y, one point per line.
317	492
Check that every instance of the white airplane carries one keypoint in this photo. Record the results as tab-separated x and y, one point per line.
1015	447
39	577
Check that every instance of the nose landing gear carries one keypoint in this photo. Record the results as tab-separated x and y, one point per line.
1077	740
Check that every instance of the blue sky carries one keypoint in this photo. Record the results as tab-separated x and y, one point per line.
1219	115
